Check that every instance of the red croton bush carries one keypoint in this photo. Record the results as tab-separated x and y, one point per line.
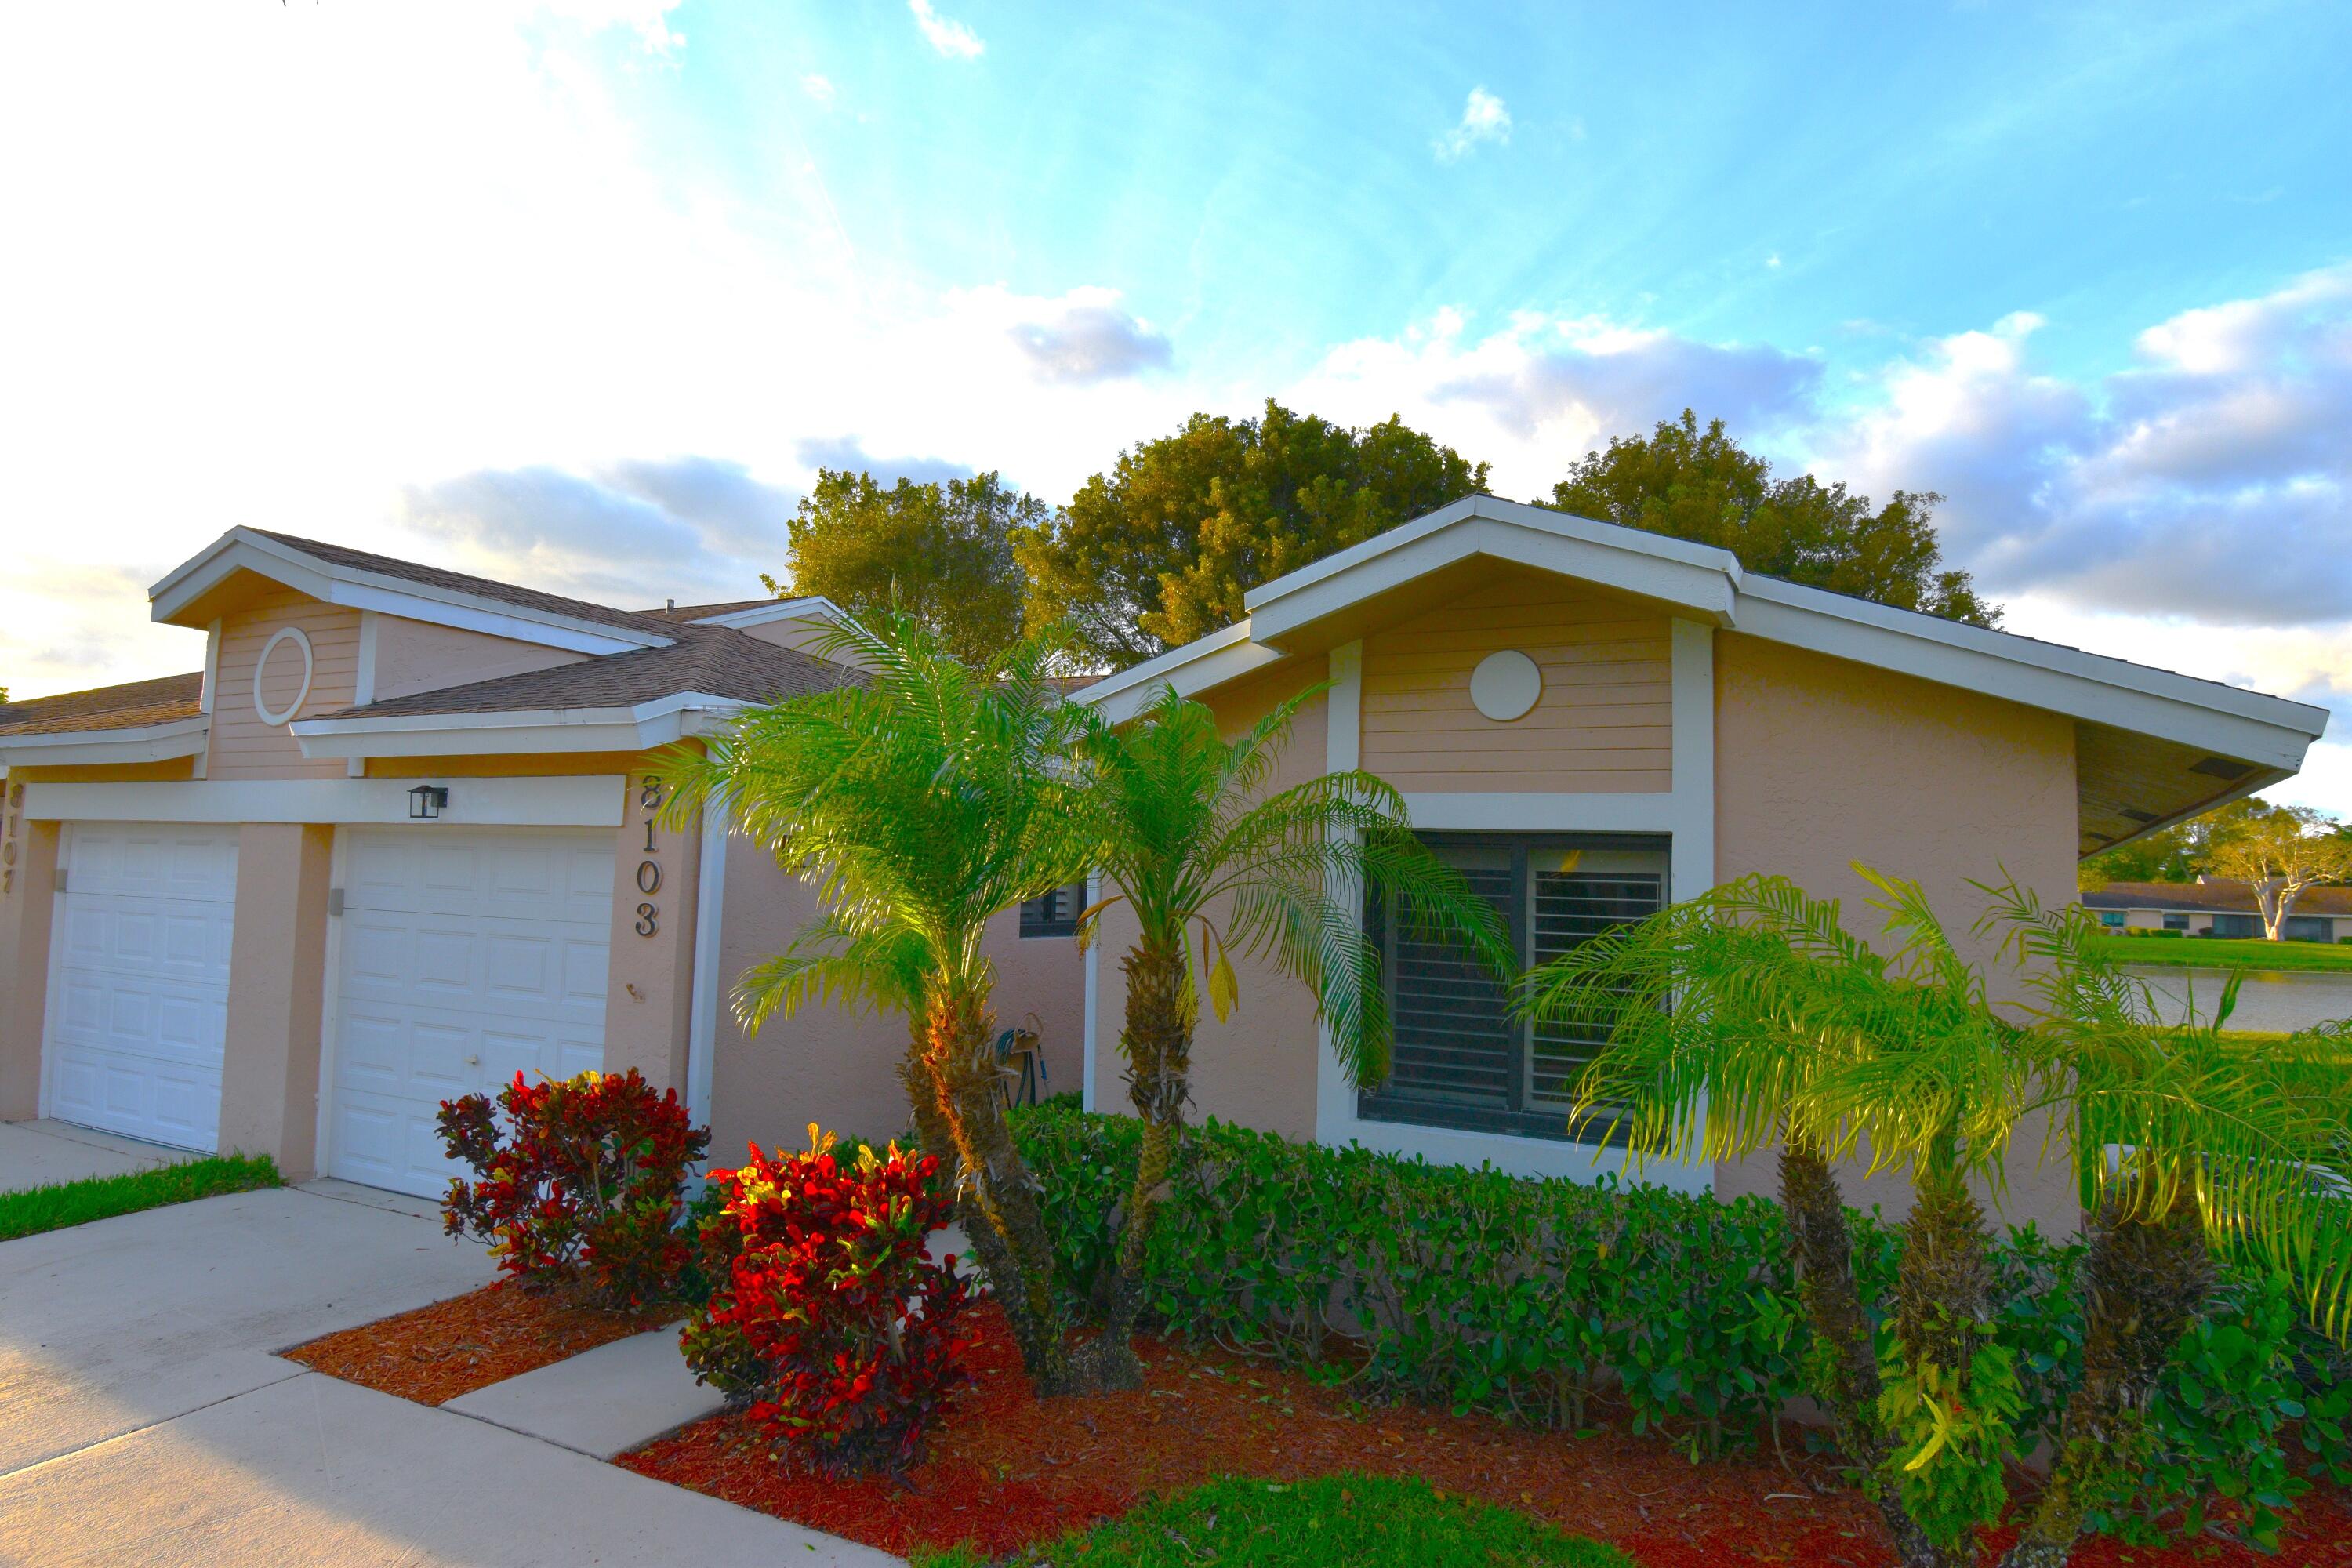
579	1183
827	1312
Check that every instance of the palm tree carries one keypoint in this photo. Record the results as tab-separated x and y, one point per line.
1751	1018
1214	865
919	800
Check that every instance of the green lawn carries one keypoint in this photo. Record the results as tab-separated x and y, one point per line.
1337	1521
37	1209
2205	952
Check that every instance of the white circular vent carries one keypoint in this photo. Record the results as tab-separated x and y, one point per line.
261	668
1505	685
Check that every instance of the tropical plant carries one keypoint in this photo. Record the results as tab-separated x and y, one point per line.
919	800
1213	865
1751	1018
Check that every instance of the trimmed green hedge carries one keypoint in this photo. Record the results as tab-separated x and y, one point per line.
1530	1299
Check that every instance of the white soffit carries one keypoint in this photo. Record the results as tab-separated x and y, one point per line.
89	748
648	724
241	549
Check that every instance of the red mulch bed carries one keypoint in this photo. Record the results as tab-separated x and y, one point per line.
1005	1472
437	1352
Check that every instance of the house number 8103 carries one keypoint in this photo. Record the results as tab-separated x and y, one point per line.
649	871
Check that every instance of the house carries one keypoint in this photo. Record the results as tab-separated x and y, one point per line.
395	842
1591	720
2220	908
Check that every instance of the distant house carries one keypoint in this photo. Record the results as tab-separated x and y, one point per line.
2211	907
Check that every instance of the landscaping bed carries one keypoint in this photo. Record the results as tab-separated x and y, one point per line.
54	1208
1007	1472
435	1353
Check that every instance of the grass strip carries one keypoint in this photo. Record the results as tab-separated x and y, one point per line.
2213	953
1333	1521
36	1209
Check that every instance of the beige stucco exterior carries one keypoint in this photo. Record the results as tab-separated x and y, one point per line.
245	743
650	994
270	1067
416	655
26	906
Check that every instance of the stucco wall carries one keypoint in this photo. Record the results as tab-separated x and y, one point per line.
650	986
269	1065
246	746
839	1068
25	919
416	655
1604	723
1258	1068
1821	763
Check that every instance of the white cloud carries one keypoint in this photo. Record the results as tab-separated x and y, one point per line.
1084	336
1485	118
950	39
820	88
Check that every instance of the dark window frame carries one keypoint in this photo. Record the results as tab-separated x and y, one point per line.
1515	1118
1054	913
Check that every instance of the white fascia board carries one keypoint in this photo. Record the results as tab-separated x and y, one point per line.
782	610
517	732
1599	540
147	744
568	801
1196	666
2268	730
241	549
1701	591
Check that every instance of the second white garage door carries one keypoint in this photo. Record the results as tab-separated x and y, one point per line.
462	957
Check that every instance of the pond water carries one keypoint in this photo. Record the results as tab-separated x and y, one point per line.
2269	1000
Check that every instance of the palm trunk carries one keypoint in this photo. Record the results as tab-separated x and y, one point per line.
1158	1042
952	1083
1824	1245
2144	1282
1943	1298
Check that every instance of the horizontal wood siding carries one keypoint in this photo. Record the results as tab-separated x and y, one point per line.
1603	724
246	747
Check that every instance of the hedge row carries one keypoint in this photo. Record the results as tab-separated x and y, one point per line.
1533	1300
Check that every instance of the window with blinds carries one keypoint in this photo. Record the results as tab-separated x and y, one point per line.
1460	1060
1055	913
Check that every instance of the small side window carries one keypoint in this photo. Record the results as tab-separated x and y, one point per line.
1055	913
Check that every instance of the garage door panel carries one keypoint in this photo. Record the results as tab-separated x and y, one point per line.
466	959
138	1009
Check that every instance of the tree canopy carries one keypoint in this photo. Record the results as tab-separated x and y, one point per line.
2188	850
1699	485
1160	549
941	554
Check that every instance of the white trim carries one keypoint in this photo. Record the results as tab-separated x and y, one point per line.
1213	661
1093	965
1686	814
363	681
242	548
81	747
593	801
212	666
782	610
709	917
648	724
330	1004
260	666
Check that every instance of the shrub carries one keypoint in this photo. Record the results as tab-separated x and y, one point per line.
1530	1300
827	1312
579	1183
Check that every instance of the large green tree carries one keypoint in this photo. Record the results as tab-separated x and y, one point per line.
1699	485
941	554
1160	549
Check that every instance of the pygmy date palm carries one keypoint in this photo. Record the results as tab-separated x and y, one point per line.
919	800
1751	1018
1214	865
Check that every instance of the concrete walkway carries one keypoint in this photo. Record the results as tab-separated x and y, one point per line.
146	1420
43	1154
602	1402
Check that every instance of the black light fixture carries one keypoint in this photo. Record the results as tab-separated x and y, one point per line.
425	801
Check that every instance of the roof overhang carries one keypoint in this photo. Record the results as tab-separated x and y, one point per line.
2217	741
812	607
647	726
182	597
90	747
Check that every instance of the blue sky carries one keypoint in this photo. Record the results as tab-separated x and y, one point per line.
581	292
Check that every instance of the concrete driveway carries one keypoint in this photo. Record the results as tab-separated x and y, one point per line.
42	1154
143	1418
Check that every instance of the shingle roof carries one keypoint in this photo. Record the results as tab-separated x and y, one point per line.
132	706
2221	896
485	587
715	660
704	612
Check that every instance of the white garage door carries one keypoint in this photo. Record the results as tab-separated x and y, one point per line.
462	957
137	1002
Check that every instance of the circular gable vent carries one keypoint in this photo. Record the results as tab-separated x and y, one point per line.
1505	685
261	668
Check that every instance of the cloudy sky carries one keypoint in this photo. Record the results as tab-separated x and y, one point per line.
582	293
